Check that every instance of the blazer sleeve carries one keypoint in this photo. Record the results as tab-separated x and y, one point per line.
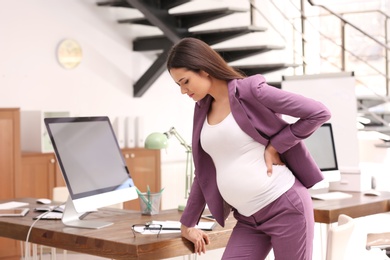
195	206
310	113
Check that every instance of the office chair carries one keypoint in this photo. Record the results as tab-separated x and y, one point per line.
379	240
339	237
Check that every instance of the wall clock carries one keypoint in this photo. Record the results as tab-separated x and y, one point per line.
69	53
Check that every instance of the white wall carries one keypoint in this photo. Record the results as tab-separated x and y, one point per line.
32	79
102	84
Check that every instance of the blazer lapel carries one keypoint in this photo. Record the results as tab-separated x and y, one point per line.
201	109
241	117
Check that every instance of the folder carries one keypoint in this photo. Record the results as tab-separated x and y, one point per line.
130	131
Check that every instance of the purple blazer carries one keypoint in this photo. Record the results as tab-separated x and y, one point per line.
256	107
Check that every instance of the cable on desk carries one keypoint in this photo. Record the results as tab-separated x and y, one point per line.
27	245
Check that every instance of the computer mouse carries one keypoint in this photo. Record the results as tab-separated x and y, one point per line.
43	201
372	193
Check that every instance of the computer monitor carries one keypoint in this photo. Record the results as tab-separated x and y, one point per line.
321	146
92	165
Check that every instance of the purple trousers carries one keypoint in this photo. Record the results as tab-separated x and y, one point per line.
286	225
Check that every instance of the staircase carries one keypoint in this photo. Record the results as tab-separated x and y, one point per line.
177	25
174	25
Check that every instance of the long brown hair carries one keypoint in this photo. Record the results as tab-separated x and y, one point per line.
195	55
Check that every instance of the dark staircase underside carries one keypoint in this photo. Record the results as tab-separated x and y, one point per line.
173	27
176	26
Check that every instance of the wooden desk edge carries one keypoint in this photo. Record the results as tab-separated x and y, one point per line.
166	246
372	205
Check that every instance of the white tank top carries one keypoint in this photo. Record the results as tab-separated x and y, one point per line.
241	171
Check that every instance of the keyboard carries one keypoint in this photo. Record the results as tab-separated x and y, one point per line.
49	215
333	195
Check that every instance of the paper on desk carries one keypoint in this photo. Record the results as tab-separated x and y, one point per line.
175	225
12	205
148	232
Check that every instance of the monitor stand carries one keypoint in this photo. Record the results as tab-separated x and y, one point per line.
71	218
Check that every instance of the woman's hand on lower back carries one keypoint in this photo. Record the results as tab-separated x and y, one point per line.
271	157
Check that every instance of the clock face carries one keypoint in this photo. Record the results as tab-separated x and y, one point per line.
69	54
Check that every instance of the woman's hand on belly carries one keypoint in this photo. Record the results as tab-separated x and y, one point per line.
271	157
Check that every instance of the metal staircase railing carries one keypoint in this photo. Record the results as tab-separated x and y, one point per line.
365	34
379	119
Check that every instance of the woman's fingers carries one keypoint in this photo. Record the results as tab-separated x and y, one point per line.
271	157
198	237
200	246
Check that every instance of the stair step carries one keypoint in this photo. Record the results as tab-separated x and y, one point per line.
192	18
263	68
210	10
183	20
163	4
378	118
370	97
236	53
114	3
214	36
374	110
246	29
151	43
381	129
382	108
371	101
168	4
383	114
136	20
374	121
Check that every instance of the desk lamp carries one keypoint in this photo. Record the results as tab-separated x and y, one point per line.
160	141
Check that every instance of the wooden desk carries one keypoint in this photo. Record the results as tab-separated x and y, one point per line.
359	205
116	241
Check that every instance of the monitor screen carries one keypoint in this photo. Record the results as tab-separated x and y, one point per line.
91	162
321	146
